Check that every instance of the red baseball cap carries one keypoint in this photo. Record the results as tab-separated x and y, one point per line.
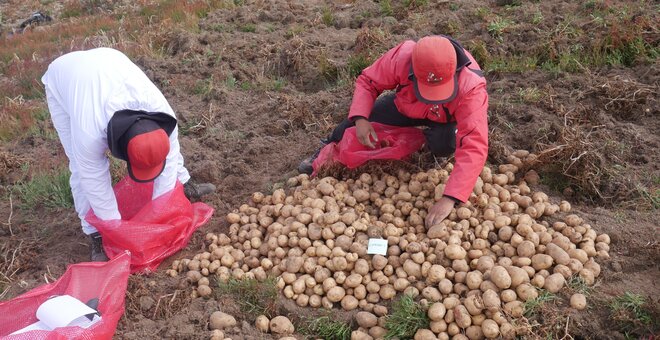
434	70
146	150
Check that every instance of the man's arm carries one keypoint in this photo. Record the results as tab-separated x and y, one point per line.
471	143
380	76
95	179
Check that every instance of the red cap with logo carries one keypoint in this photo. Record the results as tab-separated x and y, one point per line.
434	70
146	150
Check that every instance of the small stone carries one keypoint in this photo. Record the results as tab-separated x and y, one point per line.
616	266
146	302
411	33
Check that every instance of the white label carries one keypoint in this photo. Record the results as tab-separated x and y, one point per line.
377	246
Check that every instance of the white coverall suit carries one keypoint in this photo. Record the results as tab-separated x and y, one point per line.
84	89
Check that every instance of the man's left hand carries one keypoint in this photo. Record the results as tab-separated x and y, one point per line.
439	211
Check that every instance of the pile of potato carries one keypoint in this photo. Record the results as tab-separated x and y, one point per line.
474	270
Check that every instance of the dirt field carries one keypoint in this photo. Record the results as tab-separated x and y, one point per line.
257	84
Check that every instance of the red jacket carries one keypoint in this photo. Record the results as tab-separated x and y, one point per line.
469	109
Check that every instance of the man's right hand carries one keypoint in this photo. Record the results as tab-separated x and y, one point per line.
365	132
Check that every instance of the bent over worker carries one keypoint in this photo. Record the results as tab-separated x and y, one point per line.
438	85
99	100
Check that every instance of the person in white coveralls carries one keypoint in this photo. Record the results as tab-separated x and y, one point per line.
99	100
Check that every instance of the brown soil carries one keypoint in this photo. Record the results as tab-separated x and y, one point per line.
259	84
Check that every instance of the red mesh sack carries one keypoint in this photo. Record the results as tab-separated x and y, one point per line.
103	280
394	142
151	230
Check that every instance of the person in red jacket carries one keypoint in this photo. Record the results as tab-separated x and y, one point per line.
437	84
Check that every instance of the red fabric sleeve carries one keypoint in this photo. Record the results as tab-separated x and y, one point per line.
382	75
471	143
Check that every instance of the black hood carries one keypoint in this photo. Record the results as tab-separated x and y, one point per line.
122	120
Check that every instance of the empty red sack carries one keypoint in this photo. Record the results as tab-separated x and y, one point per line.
103	280
394	142
151	230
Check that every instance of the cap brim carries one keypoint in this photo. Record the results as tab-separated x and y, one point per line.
144	175
438	94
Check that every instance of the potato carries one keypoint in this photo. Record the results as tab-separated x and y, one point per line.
514	308
558	254
554	282
526	292
518	276
462	317
578	301
491	300
542	261
474	332
455	252
437	311
349	302
366	319
220	320
335	294
262	323
424	334
204	290
500	277
490	329
281	325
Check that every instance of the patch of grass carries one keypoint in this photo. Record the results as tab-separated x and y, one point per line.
537	18
415	3
406	318
277	84
631	313
204	87
357	63
386	8
497	27
529	94
454	6
230	82
327	17
50	190
531	307
577	285
328	329
254	297
248	28
513	64
246	85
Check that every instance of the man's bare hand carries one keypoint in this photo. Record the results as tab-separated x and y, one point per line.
365	133
439	211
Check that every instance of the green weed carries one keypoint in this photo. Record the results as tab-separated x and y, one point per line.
328	329
386	8
529	94
652	196
415	3
407	317
230	82
248	28
50	190
498	26
537	18
513	64
577	285
327	17
246	85
204	87
254	297
629	310
531	307
454	6
357	63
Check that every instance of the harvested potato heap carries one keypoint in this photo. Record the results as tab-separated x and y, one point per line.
473	270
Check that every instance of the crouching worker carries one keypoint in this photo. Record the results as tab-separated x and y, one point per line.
437	85
99	100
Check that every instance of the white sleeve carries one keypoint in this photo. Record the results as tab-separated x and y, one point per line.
167	179
95	174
